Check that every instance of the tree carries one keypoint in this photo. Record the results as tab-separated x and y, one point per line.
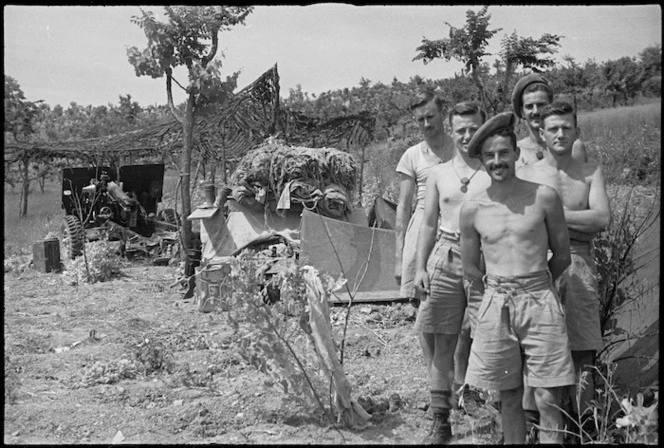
20	117
467	44
621	79
190	39
525	52
650	63
571	79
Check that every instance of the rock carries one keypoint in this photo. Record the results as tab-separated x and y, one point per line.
395	402
178	402
422	406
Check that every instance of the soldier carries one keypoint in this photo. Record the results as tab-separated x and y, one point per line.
412	171
587	212
520	335
438	274
531	93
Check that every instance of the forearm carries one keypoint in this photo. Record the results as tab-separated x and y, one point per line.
586	221
425	242
401	225
472	272
557	266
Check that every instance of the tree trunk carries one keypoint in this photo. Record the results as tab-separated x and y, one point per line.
185	170
481	91
362	172
23	211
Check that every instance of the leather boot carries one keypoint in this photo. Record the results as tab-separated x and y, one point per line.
441	430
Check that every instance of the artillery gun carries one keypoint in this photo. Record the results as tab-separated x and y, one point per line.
101	202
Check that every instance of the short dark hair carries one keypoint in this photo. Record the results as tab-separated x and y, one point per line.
424	97
538	87
558	108
466	108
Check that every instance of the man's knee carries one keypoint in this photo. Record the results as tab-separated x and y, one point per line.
546	397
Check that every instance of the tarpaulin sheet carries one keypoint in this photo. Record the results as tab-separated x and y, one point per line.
365	255
221	238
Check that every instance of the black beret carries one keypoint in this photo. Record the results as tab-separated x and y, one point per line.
490	127
517	93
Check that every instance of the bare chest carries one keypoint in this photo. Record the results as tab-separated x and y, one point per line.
572	188
499	222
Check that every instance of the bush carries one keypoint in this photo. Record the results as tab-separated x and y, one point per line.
99	263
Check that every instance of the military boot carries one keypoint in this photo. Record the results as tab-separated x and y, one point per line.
441	430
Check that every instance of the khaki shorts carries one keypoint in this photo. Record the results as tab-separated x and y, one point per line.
442	311
579	288
474	294
520	336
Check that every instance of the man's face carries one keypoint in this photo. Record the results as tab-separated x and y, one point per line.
463	128
559	133
429	120
533	103
498	156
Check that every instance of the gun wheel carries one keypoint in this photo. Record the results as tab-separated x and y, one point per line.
73	236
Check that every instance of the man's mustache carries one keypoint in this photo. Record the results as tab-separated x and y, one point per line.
498	166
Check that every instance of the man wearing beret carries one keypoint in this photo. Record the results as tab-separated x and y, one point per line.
444	322
587	212
520	335
531	93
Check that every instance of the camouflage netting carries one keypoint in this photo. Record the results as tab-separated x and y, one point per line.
276	175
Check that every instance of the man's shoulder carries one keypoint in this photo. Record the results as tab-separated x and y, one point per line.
410	157
526	142
417	147
545	193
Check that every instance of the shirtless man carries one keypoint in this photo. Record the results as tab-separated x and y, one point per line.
531	93
587	212
412	171
520	334
439	278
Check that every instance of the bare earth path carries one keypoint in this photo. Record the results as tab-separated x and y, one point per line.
71	371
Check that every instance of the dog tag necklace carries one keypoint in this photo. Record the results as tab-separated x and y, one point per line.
465	180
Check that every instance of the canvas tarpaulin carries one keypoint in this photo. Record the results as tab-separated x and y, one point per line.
365	255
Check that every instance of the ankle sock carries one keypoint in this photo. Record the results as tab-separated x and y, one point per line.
440	401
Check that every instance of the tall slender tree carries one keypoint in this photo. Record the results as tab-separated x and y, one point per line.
188	38
20	117
466	44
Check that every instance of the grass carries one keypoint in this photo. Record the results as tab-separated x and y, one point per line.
44	215
626	141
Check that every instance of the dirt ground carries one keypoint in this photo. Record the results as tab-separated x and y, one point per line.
65	381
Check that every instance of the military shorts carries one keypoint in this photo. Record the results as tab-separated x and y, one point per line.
579	291
520	336
442	310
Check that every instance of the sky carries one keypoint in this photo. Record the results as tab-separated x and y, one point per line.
64	54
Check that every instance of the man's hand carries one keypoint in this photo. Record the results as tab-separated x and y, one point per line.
421	284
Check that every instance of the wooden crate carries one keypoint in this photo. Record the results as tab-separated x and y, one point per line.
46	255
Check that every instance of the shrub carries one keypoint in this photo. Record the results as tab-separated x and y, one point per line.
99	263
